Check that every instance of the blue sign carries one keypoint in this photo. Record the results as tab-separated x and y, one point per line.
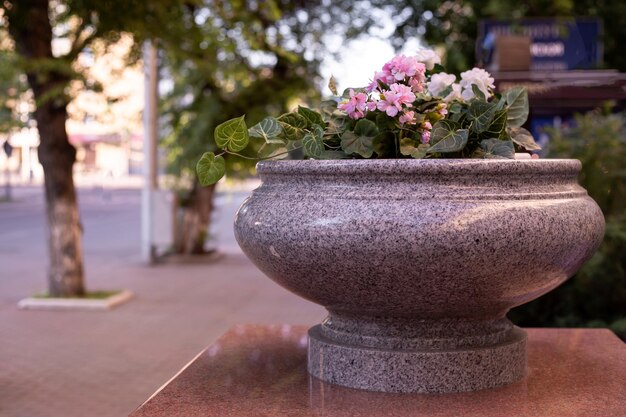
556	43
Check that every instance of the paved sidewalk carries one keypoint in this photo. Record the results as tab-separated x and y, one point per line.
106	363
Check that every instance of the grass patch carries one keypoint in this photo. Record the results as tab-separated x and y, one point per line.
90	295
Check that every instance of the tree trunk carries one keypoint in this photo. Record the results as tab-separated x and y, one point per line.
195	222
30	28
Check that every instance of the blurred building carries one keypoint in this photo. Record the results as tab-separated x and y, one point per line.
558	60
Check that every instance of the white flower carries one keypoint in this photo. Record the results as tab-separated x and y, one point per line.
455	94
478	77
439	82
428	57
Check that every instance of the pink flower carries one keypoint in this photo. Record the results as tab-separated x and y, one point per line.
402	66
392	100
355	106
389	103
382	76
405	95
425	136
427	125
417	83
407	117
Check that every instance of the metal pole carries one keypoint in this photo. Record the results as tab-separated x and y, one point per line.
150	183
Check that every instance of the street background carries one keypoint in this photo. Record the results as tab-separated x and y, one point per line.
77	363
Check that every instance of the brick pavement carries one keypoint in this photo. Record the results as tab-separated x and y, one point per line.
106	363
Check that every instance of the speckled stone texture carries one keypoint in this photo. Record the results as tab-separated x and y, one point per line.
260	371
418	261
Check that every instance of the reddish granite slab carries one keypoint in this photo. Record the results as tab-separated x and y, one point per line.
261	371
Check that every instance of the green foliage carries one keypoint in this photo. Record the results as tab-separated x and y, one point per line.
360	140
517	106
255	58
448	136
210	168
596	295
232	134
479	128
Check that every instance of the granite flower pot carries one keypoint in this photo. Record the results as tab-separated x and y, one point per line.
418	261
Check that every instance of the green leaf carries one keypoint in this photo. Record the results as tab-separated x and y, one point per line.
517	105
210	168
481	114
267	129
413	148
455	108
523	138
313	143
478	93
384	122
232	134
385	144
313	118
293	119
292	125
501	103
447	137
497	128
360	141
495	149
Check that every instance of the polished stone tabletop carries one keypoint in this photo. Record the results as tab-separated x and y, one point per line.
261	371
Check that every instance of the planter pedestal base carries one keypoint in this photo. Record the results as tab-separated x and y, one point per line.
421	370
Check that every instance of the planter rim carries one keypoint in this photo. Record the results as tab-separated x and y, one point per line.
452	167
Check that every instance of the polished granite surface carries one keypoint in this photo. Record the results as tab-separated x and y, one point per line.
261	371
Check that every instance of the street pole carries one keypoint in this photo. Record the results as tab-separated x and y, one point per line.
150	183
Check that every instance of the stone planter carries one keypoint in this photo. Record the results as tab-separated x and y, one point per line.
418	261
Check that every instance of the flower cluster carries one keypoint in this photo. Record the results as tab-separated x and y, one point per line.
406	80
463	91
411	109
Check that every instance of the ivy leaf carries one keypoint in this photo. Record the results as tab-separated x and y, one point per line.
384	144
523	138
478	93
501	103
313	143
210	168
293	119
497	128
410	147
495	149
481	114
360	141
232	134
312	118
517	105
267	129
455	108
447	137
